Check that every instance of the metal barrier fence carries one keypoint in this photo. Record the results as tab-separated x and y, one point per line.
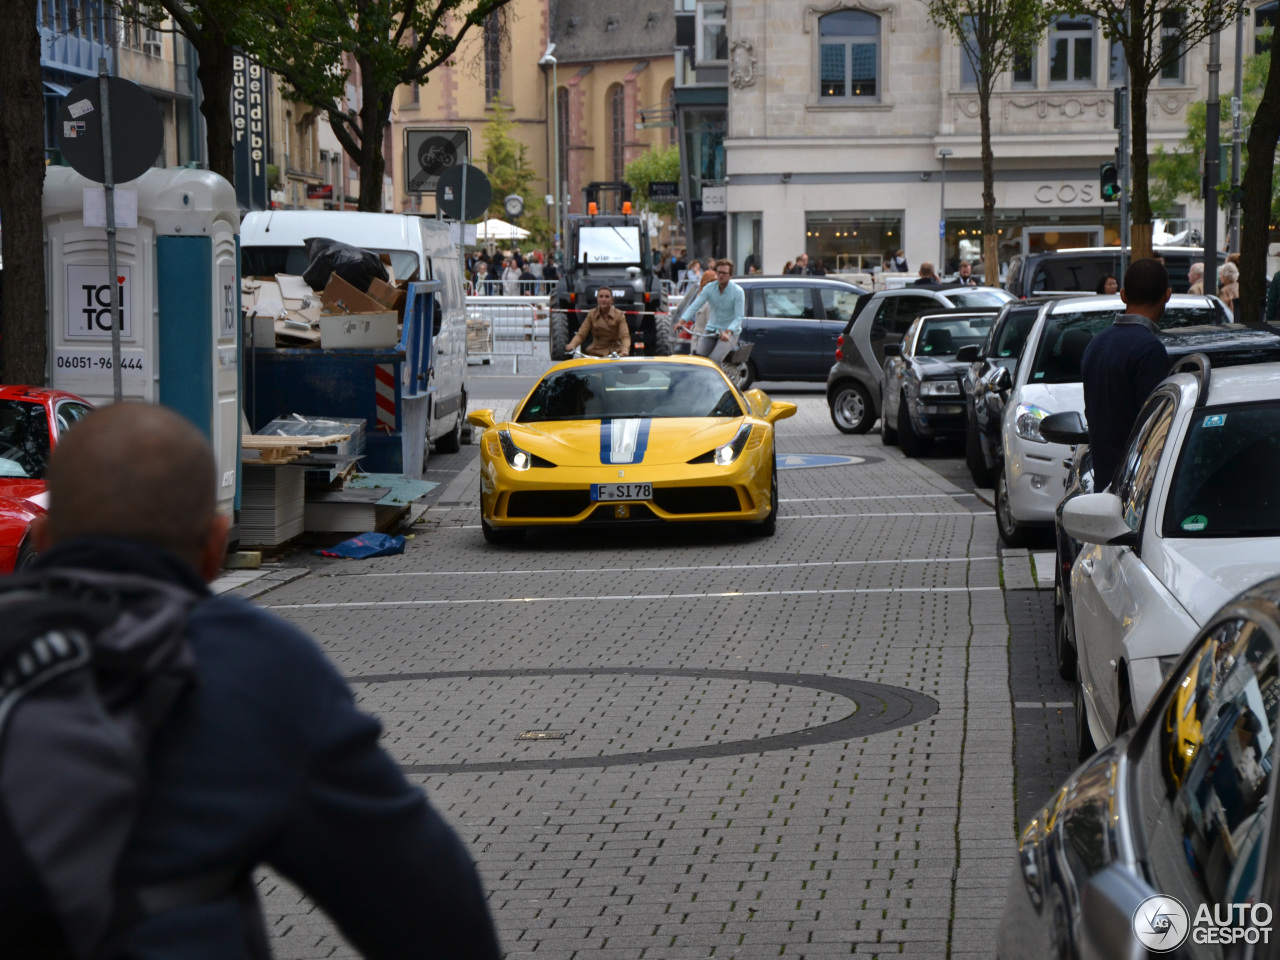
495	287
499	328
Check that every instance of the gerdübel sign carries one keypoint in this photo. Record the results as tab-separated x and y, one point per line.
137	132
89	302
450	190
249	132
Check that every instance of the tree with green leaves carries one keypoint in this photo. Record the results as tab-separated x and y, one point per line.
506	162
315	48
1155	35
1258	184
992	34
655	164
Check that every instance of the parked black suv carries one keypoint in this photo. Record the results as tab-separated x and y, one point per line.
1081	269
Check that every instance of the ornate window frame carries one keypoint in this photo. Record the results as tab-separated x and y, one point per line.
887	14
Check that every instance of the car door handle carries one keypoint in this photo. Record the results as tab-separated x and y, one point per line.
1086	567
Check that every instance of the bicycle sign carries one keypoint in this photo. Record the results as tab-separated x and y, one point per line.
429	152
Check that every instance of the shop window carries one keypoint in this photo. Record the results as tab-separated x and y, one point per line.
713	33
746	235
852	242
1071	50
1171	49
849	56
1264	25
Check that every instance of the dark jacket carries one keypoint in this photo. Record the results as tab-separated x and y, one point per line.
266	760
1273	299
1119	369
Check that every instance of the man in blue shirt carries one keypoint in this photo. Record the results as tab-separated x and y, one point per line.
1122	365
728	307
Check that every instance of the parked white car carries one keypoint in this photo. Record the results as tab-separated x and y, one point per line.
1193	519
1047	380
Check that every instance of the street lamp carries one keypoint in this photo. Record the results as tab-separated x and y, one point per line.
942	219
548	59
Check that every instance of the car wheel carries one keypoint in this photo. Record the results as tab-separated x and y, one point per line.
26	556
1084	739
749	375
559	335
851	409
451	442
974	458
499	535
888	436
912	444
1063	644
1011	532
662	337
769	525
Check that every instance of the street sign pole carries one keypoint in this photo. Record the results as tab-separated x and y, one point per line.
109	190
462	221
1122	110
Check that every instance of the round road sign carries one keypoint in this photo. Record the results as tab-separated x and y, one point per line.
137	132
449	192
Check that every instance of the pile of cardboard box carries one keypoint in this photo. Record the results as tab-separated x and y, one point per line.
282	311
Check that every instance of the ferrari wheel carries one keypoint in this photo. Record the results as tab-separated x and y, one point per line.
26	556
769	526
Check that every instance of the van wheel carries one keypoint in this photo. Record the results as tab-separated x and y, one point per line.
451	442
559	332
851	409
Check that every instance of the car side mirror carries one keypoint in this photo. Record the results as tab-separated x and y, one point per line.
1067	428
780	410
969	353
481	418
759	402
893	349
1002	381
1097	518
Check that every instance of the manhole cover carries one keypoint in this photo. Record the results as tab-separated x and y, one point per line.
543	735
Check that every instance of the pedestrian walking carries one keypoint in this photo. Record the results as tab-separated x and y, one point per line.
898	263
257	754
510	278
1122	365
1229	285
1195	277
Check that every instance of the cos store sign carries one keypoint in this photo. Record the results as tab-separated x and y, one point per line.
89	303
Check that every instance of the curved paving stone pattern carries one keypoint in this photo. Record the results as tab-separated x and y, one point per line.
616	716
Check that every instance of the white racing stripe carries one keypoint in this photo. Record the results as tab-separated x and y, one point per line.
623	435
708	566
639	596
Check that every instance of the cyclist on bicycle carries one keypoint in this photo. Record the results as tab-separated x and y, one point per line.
728	307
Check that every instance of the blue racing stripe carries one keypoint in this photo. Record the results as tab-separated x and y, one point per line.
625	440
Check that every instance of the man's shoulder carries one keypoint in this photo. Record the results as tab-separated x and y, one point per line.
260	648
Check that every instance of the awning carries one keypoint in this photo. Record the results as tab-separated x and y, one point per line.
56	89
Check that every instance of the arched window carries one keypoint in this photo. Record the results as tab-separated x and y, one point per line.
562	134
618	131
849	55
1264	25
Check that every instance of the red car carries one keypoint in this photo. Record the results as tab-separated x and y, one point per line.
31	421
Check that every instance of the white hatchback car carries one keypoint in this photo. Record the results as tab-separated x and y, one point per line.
1194	519
1047	380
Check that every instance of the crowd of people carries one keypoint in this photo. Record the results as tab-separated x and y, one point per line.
510	274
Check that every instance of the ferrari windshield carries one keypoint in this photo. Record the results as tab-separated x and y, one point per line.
1225	482
613	390
1067	334
24	439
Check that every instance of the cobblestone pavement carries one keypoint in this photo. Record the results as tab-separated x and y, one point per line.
879	602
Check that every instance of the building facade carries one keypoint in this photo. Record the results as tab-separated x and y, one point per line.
848	121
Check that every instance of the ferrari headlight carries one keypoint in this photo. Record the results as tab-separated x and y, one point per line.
726	453
939	388
1027	422
516	458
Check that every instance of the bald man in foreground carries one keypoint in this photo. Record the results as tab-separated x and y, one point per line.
265	760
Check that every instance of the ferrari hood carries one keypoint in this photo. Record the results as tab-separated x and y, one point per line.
651	440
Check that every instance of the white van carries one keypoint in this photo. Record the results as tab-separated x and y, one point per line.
273	241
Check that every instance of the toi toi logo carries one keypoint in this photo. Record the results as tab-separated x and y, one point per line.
1160	923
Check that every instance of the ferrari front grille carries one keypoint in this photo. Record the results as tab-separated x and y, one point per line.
697	499
548	503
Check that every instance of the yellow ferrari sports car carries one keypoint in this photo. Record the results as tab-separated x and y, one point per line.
619	440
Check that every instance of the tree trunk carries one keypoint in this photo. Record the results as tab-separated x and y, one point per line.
215	71
1140	193
23	324
375	115
1255	221
990	250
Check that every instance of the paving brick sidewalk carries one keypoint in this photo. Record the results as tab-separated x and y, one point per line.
898	843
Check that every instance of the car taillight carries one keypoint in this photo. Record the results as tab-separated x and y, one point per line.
839	354
840	340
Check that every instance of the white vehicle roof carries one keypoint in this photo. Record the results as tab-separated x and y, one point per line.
1099	302
1243	384
289	228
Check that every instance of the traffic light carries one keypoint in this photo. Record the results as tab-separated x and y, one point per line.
1109	182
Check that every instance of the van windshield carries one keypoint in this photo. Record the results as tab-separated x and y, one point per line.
258	261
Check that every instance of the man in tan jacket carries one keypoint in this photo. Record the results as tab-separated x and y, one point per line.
606	326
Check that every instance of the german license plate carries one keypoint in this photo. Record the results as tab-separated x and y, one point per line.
622	491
